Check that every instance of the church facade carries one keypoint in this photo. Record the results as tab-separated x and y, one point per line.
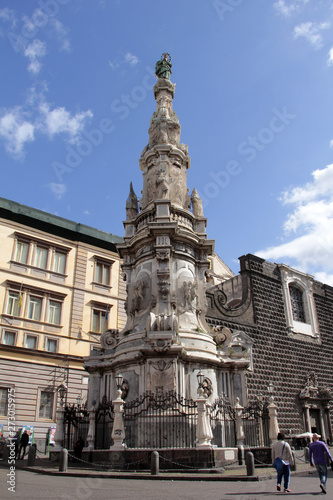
288	316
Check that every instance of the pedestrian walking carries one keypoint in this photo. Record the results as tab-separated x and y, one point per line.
318	452
23	443
282	449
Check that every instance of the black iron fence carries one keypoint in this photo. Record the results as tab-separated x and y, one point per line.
160	420
223	423
76	424
166	420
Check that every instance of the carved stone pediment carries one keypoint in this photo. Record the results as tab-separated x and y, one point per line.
160	341
312	392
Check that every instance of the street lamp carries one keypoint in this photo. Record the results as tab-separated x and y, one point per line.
62	390
270	390
119	383
200	377
79	400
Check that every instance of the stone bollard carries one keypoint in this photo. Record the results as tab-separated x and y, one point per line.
306	454
240	455
249	461
32	455
294	466
155	463
63	460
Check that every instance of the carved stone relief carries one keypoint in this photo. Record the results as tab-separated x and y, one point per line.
108	339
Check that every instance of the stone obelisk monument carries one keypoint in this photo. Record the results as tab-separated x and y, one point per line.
166	340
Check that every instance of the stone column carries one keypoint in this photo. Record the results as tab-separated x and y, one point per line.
307	419
322	424
329	424
118	431
240	435
273	421
239	424
91	430
204	432
59	435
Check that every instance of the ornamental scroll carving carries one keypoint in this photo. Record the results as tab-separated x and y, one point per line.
108	339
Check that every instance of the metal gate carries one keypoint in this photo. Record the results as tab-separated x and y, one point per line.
223	423
104	419
76	424
256	424
160	420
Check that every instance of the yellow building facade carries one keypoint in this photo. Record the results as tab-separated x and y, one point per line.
60	288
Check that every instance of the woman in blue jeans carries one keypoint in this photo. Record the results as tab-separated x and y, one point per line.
282	449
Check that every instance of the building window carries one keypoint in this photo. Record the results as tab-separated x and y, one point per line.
9	337
54	312
13	304
299	303
21	253
102	273
51	345
3	401
46	405
34	304
30	341
40	257
34	308
100	317
40	254
297	306
59	262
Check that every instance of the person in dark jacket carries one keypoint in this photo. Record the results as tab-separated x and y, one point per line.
318	452
23	443
78	447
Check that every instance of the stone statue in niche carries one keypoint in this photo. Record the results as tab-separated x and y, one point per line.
207	387
162	184
124	389
139	293
196	203
188	294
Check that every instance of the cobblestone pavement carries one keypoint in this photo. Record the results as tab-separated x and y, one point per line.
34	486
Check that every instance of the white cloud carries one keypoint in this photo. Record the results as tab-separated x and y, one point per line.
86	212
330	58
59	120
16	131
21	124
288	8
131	59
34	52
311	32
8	15
58	189
128	58
284	9
311	223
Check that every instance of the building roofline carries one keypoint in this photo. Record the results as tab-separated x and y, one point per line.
53	224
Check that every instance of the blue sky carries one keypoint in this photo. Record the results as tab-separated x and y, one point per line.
254	97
